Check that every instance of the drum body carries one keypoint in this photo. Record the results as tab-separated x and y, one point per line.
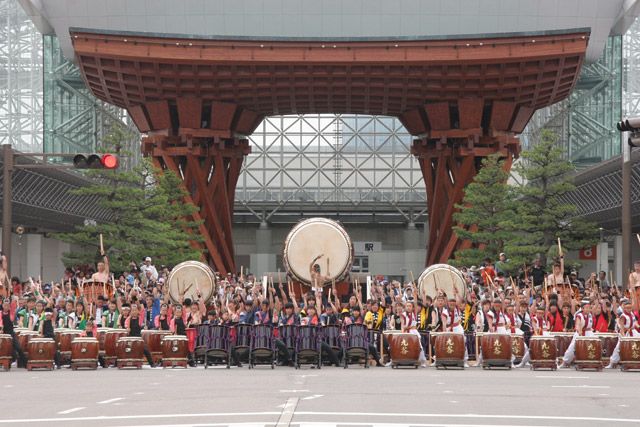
312	237
449	349
188	277
543	352
84	353
588	353
629	353
175	351
25	337
517	346
57	332
65	343
563	341
6	351
496	350
101	335
110	345
443	276
91	290
404	348
153	340
129	351
41	352
609	343
308	346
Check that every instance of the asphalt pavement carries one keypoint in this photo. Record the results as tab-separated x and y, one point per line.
318	398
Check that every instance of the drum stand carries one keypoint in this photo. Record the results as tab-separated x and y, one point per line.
84	363
40	364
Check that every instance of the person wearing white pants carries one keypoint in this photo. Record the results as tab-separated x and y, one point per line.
410	325
584	327
482	326
628	325
452	322
539	326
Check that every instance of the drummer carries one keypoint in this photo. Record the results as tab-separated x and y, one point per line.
452	318
540	327
317	278
102	275
134	325
584	327
46	331
7	317
628	324
410	326
163	320
110	318
495	318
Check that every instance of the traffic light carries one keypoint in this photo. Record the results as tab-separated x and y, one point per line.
95	161
632	126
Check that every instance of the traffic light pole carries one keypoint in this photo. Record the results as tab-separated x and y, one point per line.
626	212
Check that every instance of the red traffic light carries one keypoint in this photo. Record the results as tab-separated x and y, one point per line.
110	161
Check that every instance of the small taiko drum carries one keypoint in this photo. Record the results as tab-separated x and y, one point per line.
65	344
6	351
25	337
404	348
449	349
542	349
588	353
57	332
609	343
153	342
563	341
175	351
101	335
84	353
129	352
41	353
496	350
517	346
110	348
629	353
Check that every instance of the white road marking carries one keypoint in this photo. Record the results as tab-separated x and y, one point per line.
115	399
139	392
295	391
68	411
8	386
287	412
315	396
580	386
561	377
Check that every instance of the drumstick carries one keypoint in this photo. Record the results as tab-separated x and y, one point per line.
189	287
241	271
279	278
638	236
101	244
328	265
412	279
559	247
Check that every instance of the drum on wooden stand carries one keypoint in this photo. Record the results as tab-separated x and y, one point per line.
153	340
629	353
57	332
563	341
188	277
110	345
65	344
404	348
442	276
41	353
130	351
6	351
542	350
90	291
496	350
101	336
84	353
24	338
449	349
517	347
175	351
609	343
588	353
312	237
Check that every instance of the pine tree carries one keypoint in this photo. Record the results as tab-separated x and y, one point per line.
487	205
147	214
542	214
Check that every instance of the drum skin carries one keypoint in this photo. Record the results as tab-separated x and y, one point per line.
110	340
441	275
496	347
66	338
542	349
41	350
517	345
312	237
449	346
563	340
130	349
404	348
630	351
175	347
84	349
609	343
153	340
588	350
189	276
6	346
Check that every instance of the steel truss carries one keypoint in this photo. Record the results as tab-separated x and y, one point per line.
356	168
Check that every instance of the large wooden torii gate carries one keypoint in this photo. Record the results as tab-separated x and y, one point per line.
198	100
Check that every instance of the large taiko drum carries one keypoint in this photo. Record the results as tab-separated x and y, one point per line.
542	349
65	342
41	352
110	340
101	335
175	351
84	353
588	353
25	337
130	351
6	351
563	341
629	353
496	350
153	341
404	348
517	346
91	290
442	276
609	343
188	277
449	349
316	236
57	332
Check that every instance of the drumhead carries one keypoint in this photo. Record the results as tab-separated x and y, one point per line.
442	276
186	275
312	237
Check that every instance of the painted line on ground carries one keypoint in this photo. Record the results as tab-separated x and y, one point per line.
561	377
115	399
287	412
68	411
134	417
580	386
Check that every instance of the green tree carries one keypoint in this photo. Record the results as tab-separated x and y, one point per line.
542	214
147	214
487	205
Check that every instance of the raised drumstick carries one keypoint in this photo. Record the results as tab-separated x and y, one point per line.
101	244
